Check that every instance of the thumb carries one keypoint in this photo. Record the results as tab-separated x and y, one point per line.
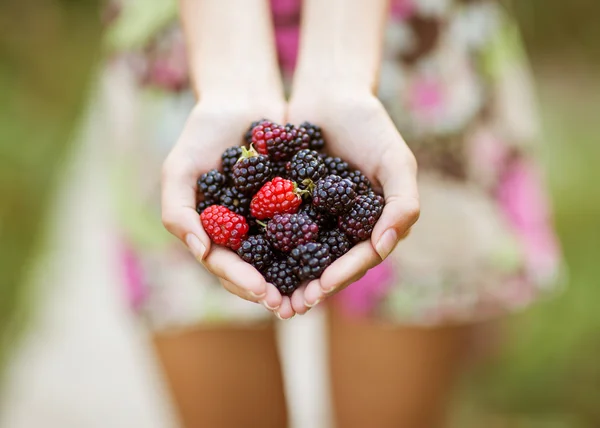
398	177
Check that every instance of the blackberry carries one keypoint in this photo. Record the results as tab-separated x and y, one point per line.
279	142
306	165
229	158
211	183
314	132
334	194
251	171
255	228
323	220
359	221
257	251
202	205
235	200
248	134
363	185
308	261
336	165
279	169
338	243
286	231
280	274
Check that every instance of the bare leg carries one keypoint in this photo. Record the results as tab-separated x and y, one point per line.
224	377
393	376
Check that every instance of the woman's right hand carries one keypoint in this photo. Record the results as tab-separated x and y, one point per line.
212	127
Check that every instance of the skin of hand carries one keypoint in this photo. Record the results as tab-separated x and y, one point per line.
358	129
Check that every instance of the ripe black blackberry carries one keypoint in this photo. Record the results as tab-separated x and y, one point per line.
211	184
363	185
279	142
235	200
306	165
359	221
338	243
229	158
308	261
279	169
336	165
314	132
202	205
286	231
251	171
334	194
323	220
257	251
248	134
280	274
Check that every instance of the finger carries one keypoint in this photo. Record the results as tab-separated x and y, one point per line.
397	175
349	268
297	301
226	264
178	204
313	294
285	311
273	298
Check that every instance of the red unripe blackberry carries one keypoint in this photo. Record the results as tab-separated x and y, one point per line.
280	274
338	243
308	261
286	231
359	221
248	134
251	171
211	183
257	251
224	227
314	132
279	142
333	194
363	185
278	196
305	167
229	159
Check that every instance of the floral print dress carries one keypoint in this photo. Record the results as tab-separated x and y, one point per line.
454	80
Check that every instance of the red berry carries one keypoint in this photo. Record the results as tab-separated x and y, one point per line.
262	132
278	196
224	226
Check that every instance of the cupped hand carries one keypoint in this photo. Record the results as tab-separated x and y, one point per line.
212	127
357	128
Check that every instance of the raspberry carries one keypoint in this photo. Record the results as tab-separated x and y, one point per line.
235	200
251	171
287	231
279	142
211	183
280	274
359	221
334	194
257	251
229	158
337	242
336	165
310	260
306	165
224	226
323	220
248	134
202	205
278	196
314	132
363	185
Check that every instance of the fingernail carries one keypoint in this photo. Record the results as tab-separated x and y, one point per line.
313	305
386	243
257	296
266	305
196	247
284	319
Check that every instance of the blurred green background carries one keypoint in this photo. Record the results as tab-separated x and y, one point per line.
548	375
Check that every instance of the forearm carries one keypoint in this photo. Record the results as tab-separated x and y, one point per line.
341	44
231	48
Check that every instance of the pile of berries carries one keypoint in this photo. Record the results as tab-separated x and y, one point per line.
285	206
